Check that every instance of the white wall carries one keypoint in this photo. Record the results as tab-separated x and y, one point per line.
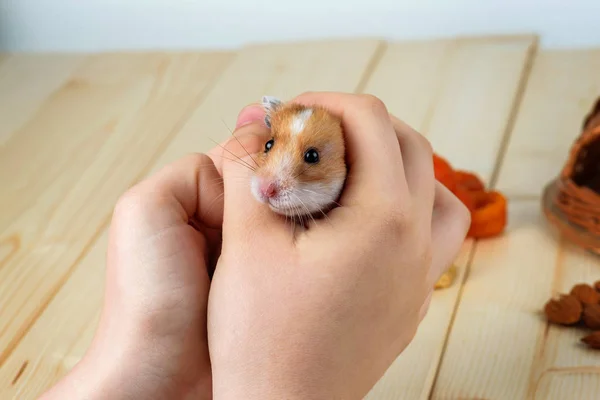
95	25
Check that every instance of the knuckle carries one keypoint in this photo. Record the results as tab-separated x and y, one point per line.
195	158
426	144
394	218
307	93
459	216
374	103
128	203
190	160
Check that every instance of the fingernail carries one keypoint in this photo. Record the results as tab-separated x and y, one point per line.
250	114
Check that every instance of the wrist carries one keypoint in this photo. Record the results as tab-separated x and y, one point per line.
87	380
108	370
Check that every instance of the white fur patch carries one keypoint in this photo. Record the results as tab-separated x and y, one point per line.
284	167
302	200
299	121
311	198
254	188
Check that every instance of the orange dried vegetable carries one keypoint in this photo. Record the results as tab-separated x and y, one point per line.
489	217
488	208
468	181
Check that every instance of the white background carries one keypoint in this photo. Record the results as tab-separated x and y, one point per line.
100	25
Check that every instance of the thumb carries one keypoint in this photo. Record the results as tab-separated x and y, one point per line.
245	219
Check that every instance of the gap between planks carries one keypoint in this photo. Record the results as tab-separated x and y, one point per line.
513	348
522	87
433	89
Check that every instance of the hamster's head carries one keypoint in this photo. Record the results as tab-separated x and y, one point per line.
302	167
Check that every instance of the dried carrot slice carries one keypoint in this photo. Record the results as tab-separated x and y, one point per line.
467	197
489	217
468	181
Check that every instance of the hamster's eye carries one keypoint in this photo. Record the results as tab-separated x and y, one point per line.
311	156
268	145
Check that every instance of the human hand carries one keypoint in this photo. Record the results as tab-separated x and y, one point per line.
323	314
165	236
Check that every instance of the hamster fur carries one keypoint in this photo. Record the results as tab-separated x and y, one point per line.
302	168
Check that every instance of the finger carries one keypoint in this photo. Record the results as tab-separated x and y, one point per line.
372	149
417	156
187	188
450	224
425	307
246	219
249	114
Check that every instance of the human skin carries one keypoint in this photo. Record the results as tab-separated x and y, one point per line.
321	314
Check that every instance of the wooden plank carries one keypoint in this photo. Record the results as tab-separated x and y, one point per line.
500	346
461	95
62	173
26	81
61	335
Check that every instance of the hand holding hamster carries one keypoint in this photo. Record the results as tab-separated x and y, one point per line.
322	314
318	314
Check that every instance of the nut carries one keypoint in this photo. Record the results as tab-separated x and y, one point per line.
597	286
591	316
566	310
586	294
592	340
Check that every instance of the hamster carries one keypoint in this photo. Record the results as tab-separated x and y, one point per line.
302	169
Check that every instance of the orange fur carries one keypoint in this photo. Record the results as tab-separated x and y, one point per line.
318	184
323	132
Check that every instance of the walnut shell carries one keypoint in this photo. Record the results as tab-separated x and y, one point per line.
591	316
566	310
597	286
592	340
586	294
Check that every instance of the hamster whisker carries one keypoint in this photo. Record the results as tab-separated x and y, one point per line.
317	204
297	214
242	163
240	143
303	171
306	208
313	192
212	203
252	158
322	212
235	155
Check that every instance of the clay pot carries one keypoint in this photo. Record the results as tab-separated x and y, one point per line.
571	202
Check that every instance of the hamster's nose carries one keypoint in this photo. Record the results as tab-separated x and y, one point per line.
269	189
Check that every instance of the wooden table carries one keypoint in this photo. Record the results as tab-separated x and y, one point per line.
77	130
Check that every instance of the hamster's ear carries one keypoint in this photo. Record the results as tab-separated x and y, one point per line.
270	104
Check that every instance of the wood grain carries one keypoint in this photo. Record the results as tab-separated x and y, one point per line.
500	346
64	170
26	81
68	125
461	95
61	335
